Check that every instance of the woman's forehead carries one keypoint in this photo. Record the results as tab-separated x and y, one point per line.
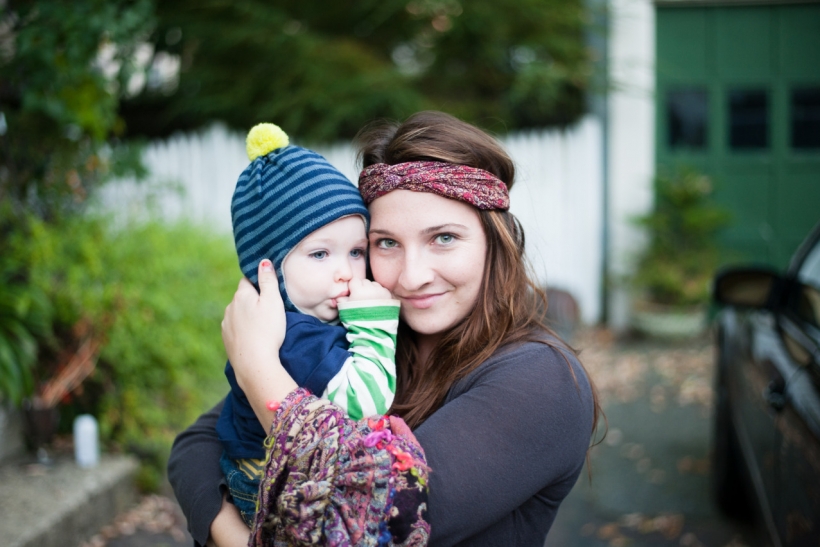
410	212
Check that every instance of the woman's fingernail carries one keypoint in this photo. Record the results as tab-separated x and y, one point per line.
267	266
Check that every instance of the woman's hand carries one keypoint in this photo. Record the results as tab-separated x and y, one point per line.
253	330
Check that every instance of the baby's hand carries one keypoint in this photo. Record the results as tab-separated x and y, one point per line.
364	289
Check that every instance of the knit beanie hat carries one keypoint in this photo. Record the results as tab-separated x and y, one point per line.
285	194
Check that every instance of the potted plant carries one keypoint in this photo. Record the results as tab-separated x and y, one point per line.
674	272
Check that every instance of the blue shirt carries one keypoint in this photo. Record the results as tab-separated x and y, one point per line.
313	352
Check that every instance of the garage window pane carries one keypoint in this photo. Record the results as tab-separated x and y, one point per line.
748	119
686	111
805	110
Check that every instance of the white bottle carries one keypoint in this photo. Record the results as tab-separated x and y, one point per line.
86	441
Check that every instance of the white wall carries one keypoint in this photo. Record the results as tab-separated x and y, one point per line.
557	196
631	140
558	199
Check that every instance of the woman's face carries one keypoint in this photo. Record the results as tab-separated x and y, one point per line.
429	251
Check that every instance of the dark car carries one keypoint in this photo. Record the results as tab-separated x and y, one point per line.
766	457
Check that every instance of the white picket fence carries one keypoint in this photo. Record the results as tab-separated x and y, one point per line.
557	195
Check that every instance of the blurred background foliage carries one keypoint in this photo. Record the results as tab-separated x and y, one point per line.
60	127
84	83
322	70
155	310
150	293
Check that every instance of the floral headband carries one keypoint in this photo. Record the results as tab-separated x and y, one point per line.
478	187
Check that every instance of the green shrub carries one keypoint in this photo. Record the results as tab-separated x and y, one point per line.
154	296
25	323
677	265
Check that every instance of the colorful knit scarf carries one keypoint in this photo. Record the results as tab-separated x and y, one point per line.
478	187
332	481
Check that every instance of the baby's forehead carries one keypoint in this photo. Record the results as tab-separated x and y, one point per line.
344	230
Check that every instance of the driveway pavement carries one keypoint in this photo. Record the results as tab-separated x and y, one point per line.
156	522
649	481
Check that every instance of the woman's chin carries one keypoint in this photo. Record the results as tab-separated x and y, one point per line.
428	323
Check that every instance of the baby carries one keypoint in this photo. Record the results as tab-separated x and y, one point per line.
292	207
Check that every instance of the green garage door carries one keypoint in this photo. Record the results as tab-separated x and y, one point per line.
738	97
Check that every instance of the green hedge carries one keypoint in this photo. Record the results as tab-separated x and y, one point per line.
155	295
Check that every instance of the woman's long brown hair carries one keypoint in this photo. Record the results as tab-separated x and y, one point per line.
510	306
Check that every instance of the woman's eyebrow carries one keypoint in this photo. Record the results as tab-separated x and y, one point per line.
441	227
429	230
378	231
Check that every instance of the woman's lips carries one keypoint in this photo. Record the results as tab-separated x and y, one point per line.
422	301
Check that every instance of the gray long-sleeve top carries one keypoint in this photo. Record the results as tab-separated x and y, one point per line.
504	450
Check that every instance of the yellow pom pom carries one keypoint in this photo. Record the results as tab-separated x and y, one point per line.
264	139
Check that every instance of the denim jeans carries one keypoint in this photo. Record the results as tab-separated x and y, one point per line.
244	490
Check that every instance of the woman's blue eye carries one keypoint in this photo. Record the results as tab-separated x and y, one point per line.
445	238
319	255
386	243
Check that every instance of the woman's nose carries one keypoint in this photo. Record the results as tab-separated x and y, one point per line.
416	272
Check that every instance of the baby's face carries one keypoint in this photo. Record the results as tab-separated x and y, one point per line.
317	271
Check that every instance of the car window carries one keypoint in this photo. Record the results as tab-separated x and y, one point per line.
809	272
808	300
808	305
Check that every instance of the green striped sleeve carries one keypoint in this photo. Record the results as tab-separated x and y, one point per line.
366	385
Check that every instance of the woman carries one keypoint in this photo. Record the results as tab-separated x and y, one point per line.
502	408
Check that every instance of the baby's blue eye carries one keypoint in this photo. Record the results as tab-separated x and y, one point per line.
386	243
357	253
319	255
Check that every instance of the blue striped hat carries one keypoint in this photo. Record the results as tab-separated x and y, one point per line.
285	194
